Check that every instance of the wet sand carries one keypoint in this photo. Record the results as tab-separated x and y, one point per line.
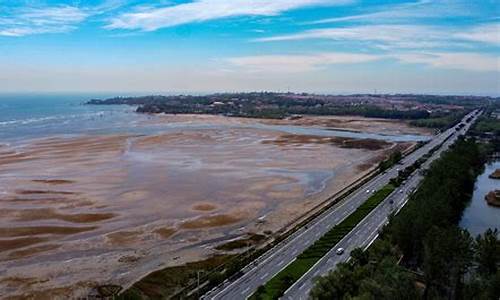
108	209
353	123
349	123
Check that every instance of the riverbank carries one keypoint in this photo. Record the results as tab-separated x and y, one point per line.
495	174
493	198
422	251
479	216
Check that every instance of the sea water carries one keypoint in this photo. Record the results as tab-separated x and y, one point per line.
38	116
33	116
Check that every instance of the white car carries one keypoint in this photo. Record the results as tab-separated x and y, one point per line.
340	251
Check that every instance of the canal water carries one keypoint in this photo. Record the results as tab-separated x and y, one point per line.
479	216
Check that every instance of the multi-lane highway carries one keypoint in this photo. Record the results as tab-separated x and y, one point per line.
268	265
367	230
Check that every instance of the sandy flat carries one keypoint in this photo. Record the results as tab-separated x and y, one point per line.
352	123
81	211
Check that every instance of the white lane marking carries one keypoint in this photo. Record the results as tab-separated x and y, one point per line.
333	210
281	262
245	290
264	276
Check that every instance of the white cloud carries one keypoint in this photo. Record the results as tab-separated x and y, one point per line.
404	36
409	12
396	36
453	60
23	31
488	33
203	10
28	20
298	63
54	15
386	13
468	61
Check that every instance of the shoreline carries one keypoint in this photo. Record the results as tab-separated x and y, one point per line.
156	241
330	191
495	174
493	198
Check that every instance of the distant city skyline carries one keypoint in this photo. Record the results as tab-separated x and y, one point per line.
204	46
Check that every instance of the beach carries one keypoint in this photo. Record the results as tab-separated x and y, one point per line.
90	209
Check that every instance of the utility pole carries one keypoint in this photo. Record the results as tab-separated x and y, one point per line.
198	282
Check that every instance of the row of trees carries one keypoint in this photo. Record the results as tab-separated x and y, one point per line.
440	120
278	110
393	159
270	105
422	253
378	274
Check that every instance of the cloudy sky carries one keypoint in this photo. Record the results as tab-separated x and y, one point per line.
326	46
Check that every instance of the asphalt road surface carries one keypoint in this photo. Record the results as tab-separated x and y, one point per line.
265	267
366	231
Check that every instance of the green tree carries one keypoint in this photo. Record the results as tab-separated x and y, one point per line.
259	294
447	257
359	257
487	252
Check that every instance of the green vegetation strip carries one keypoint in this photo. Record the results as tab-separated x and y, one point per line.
164	283
275	287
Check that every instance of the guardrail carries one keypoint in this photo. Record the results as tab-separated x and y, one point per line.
248	257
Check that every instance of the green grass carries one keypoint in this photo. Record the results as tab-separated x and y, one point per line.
275	287
165	283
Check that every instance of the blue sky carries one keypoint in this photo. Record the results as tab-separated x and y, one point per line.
326	46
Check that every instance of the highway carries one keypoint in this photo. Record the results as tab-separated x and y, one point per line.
367	230
277	258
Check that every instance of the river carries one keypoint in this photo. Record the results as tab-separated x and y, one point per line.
479	216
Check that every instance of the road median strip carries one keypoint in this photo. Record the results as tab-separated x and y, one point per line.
277	285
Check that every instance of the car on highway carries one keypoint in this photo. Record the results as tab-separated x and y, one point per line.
340	251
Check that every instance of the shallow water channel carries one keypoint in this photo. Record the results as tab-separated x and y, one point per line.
479	216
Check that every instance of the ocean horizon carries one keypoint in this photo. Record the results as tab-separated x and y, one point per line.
29	116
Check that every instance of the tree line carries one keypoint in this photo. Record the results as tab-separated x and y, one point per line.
422	253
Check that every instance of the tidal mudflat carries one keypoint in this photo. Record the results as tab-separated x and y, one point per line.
83	210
